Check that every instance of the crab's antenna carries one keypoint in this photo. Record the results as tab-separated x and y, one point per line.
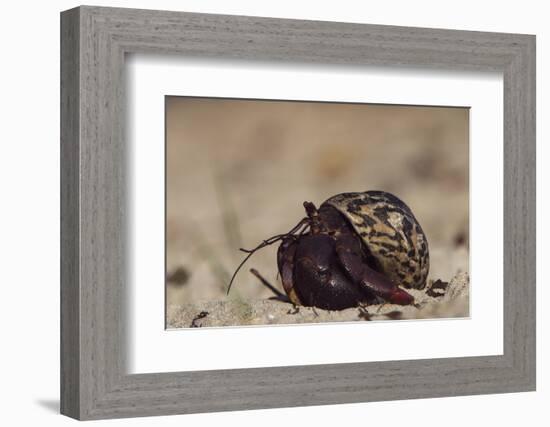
265	243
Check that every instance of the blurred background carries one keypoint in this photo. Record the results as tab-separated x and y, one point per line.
238	172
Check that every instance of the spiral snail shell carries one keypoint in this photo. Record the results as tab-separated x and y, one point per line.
390	232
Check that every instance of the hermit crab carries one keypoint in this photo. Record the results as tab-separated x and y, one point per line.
355	249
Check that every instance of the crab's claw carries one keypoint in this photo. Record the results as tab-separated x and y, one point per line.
369	279
401	297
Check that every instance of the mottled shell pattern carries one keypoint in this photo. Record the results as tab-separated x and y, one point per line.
390	232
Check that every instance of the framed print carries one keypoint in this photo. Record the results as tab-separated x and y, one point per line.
237	187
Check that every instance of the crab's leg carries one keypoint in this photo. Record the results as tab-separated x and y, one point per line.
319	278
285	263
278	294
350	255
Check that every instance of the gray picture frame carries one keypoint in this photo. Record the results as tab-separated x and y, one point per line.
94	41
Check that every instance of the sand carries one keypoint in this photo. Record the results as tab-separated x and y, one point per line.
439	300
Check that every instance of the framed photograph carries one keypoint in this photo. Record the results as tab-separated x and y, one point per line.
262	213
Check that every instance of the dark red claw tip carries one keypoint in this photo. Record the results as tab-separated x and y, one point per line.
401	297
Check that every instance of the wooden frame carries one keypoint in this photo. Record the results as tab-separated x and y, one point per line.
94	383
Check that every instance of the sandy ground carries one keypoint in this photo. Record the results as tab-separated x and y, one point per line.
239	171
444	300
